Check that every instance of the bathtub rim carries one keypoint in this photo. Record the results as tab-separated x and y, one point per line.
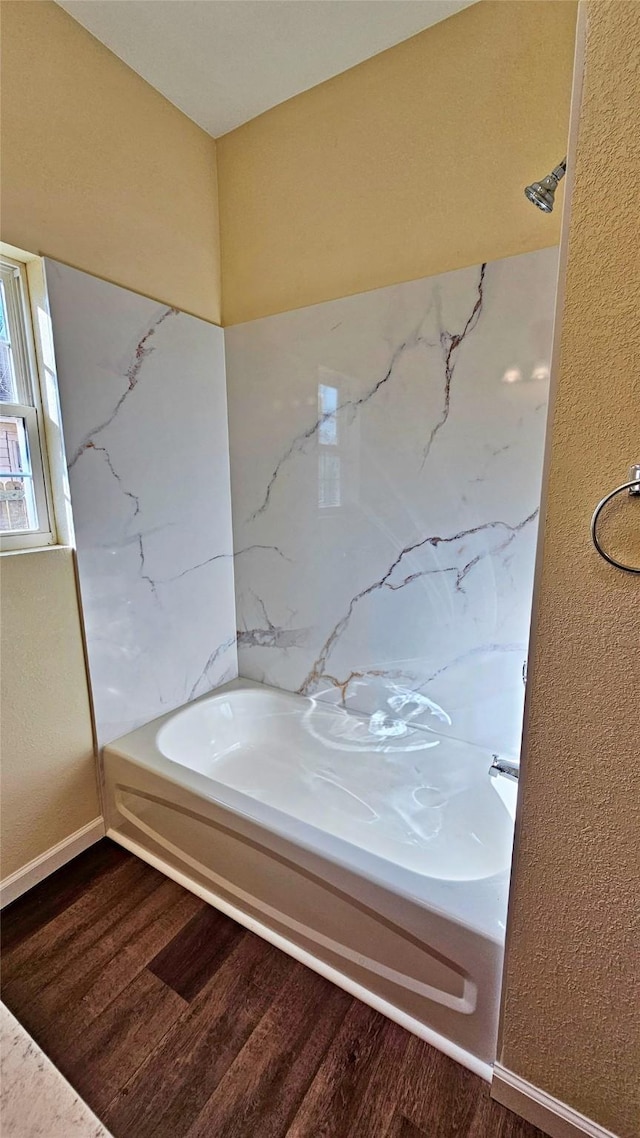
141	749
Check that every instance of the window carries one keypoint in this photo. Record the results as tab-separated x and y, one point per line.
26	516
329	493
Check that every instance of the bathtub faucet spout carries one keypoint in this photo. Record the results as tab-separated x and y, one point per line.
510	768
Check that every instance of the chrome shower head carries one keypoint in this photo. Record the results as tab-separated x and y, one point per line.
542	193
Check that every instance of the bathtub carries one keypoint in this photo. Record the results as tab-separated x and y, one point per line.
375	851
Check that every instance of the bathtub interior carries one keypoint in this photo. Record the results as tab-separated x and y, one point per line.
374	850
420	800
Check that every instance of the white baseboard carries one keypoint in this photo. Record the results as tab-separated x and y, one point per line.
35	871
542	1110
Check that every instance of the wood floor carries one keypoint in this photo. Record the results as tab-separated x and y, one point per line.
172	1020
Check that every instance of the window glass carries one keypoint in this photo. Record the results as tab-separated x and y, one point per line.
18	509
24	495
7	376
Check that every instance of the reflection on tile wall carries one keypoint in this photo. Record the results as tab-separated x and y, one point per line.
386	457
142	388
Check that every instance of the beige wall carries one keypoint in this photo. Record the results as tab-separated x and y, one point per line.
388	172
571	1020
98	169
48	779
411	163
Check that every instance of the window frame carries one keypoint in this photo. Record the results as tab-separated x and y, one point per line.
28	388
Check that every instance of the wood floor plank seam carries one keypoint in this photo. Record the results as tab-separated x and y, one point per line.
128	962
71	940
377	1105
28	914
226	1011
401	1127
240	1099
64	992
116	1044
195	953
328	1107
69	925
174	1022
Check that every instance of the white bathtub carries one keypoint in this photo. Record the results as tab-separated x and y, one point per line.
376	852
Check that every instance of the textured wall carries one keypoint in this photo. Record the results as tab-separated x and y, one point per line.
102	172
571	1019
98	169
408	165
48	774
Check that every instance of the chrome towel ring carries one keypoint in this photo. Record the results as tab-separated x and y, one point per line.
633	487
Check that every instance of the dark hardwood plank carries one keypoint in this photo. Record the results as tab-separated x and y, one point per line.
196	952
491	1118
171	1088
401	1128
116	1044
61	1000
37	959
331	1104
377	1105
436	1094
173	1021
261	1091
169	909
166	919
58	892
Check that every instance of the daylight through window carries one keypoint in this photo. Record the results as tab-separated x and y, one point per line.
25	515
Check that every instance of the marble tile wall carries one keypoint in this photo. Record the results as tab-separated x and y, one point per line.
142	389
386	458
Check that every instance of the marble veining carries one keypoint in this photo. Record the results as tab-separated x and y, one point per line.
389	447
37	1101
142	389
389	581
131	374
450	342
386	457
